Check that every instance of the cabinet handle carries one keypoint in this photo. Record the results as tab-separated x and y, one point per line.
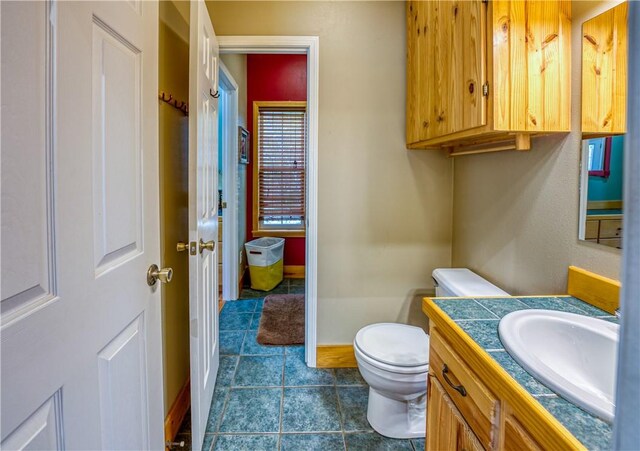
459	388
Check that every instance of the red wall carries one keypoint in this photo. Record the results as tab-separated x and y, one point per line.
275	78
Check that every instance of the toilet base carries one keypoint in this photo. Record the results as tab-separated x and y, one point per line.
397	419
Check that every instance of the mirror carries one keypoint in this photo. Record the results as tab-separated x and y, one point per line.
601	205
604	122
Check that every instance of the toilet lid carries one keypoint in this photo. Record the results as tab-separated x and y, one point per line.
394	344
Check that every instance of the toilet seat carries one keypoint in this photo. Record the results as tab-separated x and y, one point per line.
398	348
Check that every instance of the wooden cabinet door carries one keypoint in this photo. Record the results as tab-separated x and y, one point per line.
446	429
516	437
446	67
604	72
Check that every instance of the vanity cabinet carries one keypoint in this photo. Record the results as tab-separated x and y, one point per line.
604	73
486	75
463	413
446	426
516	436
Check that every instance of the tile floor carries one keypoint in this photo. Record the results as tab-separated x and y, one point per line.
266	398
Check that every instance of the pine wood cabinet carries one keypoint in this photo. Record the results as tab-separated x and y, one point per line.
604	73
463	413
486	75
447	428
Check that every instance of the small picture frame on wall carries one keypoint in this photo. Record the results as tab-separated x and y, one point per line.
243	145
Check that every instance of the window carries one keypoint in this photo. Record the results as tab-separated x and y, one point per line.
279	168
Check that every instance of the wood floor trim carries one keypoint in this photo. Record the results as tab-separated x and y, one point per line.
335	356
294	271
176	413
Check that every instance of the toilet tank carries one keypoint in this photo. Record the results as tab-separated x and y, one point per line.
462	282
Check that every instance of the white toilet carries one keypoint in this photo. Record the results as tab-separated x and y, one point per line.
394	360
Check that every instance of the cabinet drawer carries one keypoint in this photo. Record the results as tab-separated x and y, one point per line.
477	404
610	228
591	230
611	242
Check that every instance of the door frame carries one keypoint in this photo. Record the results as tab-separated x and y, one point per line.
229	151
306	45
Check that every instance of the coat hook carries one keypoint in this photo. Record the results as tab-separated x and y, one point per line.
216	95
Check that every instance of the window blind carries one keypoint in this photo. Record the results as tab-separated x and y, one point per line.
282	137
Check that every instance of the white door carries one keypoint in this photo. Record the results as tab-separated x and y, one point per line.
81	331
203	216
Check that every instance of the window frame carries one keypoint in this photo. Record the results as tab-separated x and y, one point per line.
259	231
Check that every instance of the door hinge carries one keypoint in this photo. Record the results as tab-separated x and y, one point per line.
485	89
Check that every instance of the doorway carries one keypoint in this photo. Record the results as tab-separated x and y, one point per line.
307	46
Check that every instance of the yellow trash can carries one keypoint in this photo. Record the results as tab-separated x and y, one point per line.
265	262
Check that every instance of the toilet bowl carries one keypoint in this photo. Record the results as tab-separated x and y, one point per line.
394	360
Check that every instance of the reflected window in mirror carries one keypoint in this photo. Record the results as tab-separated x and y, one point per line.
599	156
601	203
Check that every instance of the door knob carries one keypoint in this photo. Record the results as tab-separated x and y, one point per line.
208	245
154	274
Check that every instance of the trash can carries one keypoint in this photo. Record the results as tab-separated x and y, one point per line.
265	262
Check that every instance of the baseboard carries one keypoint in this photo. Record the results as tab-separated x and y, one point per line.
294	271
599	291
335	356
176	413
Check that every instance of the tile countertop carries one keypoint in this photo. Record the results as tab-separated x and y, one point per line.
479	318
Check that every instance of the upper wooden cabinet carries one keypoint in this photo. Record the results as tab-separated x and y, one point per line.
486	75
604	73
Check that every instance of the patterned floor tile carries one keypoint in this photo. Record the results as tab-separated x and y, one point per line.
255	321
418	444
235	321
353	408
216	410
296	371
247	443
311	409
349	376
226	370
231	342
372	441
252	410
296	290
239	306
207	442
320	442
259	371
252	347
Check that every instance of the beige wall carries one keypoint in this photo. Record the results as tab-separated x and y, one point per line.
515	217
384	212
174	145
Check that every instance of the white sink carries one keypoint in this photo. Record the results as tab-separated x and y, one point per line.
574	355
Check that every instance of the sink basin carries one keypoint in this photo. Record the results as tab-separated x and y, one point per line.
574	355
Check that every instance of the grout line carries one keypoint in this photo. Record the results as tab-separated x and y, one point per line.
284	362
490	312
339	408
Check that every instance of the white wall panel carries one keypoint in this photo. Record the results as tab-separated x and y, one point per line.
122	376
42	430
28	247
117	148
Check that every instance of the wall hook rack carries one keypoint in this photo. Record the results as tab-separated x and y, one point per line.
168	98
